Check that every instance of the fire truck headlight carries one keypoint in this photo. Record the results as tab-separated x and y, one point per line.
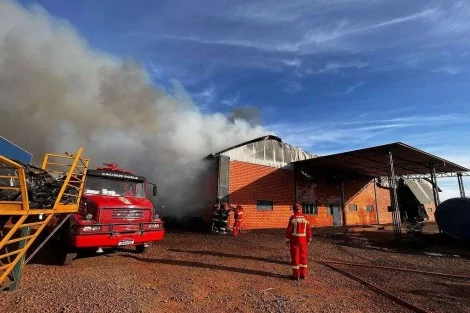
89	216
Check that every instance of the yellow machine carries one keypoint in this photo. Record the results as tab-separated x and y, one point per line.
27	223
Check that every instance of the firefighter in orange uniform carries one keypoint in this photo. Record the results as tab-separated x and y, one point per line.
298	236
238	216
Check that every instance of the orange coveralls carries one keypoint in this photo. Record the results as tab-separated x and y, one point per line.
298	234
238	220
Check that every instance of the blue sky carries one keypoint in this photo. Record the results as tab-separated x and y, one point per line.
327	75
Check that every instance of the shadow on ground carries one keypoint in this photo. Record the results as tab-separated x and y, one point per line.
206	266
227	255
367	238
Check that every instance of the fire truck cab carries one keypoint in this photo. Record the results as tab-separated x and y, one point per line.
114	212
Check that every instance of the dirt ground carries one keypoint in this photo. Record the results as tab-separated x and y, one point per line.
194	272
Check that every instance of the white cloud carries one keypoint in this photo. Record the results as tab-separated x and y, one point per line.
292	62
205	97
313	41
306	27
231	101
449	70
353	88
356	131
425	14
411	120
292	87
336	67
244	43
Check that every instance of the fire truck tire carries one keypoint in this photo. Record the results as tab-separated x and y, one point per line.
142	249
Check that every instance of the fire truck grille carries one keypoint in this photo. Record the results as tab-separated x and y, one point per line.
125	214
120	215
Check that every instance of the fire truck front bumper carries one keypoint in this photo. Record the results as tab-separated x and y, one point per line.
115	236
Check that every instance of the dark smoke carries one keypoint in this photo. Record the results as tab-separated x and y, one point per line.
250	114
56	93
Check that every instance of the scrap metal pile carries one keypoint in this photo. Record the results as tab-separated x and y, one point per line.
43	188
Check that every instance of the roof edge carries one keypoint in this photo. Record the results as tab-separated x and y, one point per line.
266	137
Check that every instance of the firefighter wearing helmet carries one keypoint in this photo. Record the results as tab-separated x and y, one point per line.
216	218
238	216
298	236
224	216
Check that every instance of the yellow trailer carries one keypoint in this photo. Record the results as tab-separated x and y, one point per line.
27	223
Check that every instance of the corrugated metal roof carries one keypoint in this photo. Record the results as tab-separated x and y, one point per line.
421	190
267	150
267	137
372	161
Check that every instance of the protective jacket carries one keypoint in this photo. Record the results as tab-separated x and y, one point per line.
238	217
298	234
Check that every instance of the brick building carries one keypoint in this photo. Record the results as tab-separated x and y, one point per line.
265	176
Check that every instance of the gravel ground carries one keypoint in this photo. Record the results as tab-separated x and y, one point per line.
205	273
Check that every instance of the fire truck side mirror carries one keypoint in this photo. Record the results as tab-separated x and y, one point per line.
155	190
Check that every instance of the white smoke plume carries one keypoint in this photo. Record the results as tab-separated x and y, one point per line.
57	93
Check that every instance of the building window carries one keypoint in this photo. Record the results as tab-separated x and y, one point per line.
353	207
369	208
309	209
264	205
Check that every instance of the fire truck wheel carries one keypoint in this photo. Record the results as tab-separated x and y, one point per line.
143	249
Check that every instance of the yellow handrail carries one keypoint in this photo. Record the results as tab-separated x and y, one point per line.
42	216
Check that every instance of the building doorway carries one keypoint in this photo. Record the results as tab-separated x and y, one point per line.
336	210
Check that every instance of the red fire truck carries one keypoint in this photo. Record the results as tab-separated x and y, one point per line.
114	212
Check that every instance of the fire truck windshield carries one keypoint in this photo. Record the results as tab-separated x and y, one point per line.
114	187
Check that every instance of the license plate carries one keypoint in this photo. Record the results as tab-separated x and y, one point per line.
125	242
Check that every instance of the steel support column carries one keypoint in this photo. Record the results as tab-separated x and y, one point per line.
435	189
461	187
376	201
343	202
396	217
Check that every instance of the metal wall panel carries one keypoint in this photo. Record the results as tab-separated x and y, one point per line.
224	178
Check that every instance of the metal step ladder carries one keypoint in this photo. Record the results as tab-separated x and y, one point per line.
26	223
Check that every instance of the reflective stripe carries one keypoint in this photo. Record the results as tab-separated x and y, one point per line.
305	266
299	220
295	267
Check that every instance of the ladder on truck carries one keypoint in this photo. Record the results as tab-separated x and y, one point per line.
26	223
